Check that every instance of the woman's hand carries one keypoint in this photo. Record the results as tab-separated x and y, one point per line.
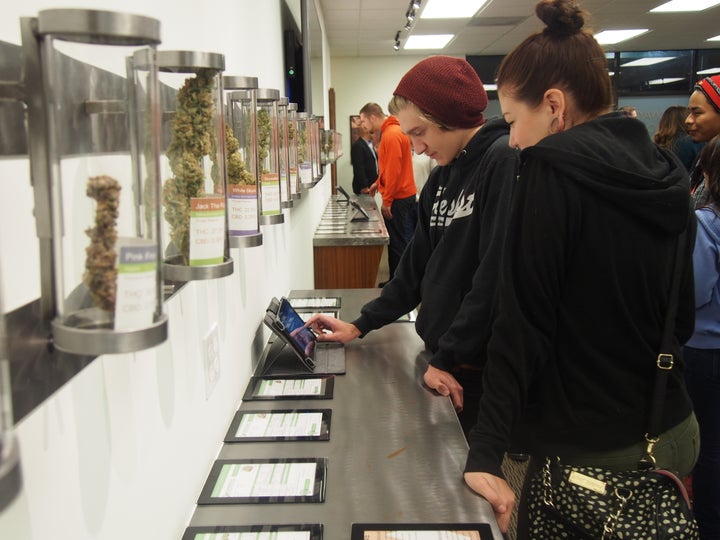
498	494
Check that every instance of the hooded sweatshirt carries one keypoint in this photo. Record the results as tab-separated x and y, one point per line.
451	264
586	277
395	173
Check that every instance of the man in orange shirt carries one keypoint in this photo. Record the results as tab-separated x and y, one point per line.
395	182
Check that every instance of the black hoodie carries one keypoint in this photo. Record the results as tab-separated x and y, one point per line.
589	256
451	264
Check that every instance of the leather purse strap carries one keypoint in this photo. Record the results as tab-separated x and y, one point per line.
665	359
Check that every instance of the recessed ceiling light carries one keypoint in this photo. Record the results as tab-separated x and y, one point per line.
436	41
609	37
709	71
649	61
669	80
716	38
490	87
451	9
685	5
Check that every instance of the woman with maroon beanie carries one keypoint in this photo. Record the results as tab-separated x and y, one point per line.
451	266
588	262
703	123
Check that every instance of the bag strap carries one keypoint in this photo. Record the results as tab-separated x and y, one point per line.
665	359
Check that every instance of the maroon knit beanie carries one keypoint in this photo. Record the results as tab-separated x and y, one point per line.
710	86
448	89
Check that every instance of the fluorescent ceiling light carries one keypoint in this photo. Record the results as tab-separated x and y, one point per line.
610	37
669	80
716	38
709	71
490	87
437	41
451	9
685	5
648	61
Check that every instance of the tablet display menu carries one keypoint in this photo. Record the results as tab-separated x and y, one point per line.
421	531
293	480
276	388
255	532
280	425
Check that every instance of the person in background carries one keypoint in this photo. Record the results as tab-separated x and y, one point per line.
703	123
364	162
588	262
395	180
702	351
451	266
672	135
629	110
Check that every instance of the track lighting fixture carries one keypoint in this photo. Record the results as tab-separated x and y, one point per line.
410	15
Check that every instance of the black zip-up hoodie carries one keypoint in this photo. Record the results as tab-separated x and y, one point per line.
451	264
589	258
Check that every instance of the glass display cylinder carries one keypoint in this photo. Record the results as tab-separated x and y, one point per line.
286	200
295	191
327	146
10	471
337	144
193	166
242	159
102	176
316	155
269	156
305	150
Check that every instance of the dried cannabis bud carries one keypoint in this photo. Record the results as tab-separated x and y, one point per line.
100	269
192	139
264	137
237	171
302	146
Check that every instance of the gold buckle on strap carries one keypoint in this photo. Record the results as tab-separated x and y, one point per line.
665	361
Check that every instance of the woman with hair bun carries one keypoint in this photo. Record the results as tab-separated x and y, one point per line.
588	261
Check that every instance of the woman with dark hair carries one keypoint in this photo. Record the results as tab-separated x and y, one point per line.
703	123
702	351
588	262
672	135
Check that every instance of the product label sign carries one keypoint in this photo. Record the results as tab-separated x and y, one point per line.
136	297
270	191
207	230
306	172
242	210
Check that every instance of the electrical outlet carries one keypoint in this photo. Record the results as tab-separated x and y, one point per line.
211	359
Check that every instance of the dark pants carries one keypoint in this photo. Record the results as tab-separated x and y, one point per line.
702	376
400	229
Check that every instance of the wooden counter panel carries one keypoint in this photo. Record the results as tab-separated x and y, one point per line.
346	267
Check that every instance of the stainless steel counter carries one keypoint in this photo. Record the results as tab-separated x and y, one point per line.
396	450
336	227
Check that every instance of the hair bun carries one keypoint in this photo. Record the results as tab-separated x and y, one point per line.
562	17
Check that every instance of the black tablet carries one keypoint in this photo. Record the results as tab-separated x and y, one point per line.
239	481
302	531
280	425
424	531
287	387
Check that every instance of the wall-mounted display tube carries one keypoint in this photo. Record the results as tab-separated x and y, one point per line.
305	150
295	191
242	161
269	156
193	166
95	192
286	200
10	470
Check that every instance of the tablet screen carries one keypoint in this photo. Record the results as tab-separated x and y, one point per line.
302	337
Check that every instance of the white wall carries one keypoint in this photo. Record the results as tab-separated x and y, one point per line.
123	449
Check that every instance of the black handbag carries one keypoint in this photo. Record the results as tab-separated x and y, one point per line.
596	504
